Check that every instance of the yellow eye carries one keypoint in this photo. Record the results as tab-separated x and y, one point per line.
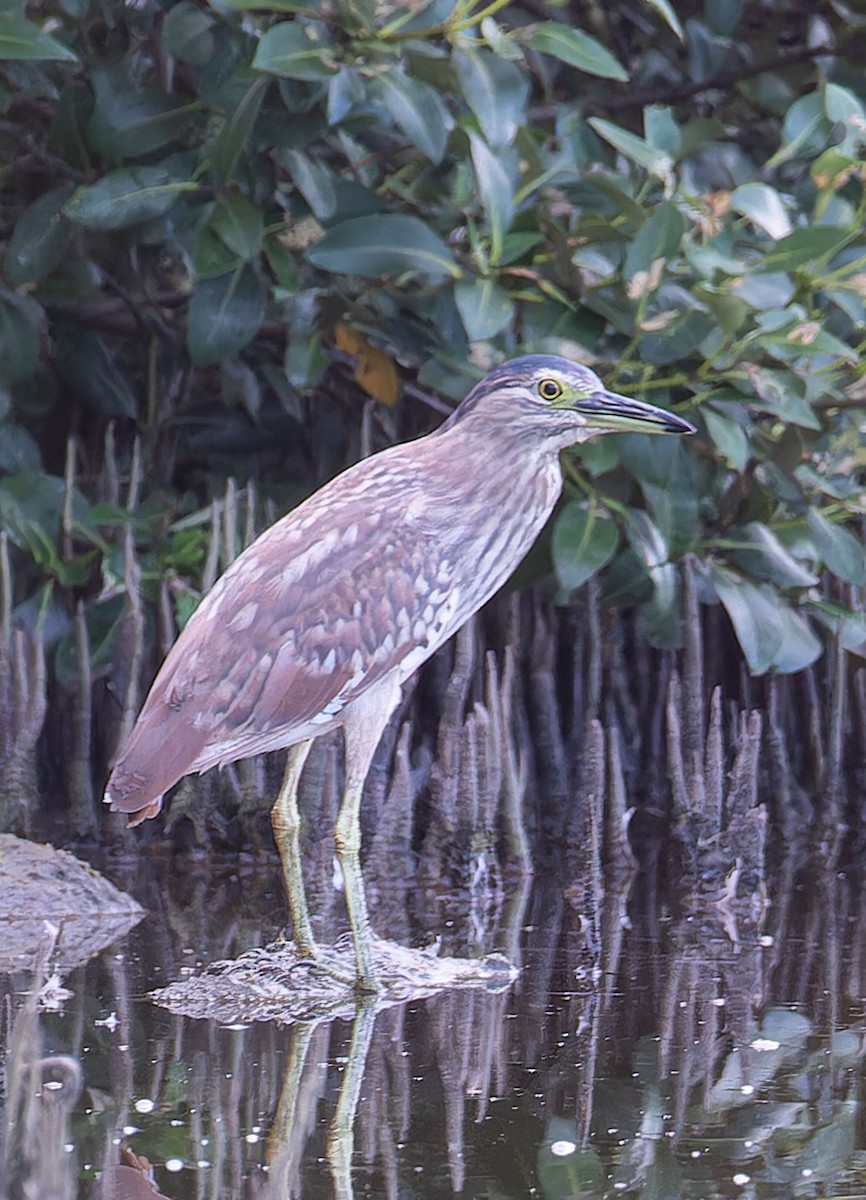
549	389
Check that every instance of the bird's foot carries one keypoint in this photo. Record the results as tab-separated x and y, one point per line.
334	962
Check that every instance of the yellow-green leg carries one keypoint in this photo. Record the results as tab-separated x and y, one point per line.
286	823
363	726
348	841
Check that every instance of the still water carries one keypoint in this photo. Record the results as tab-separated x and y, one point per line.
640	1052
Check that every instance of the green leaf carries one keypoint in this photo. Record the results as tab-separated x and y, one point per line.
763	206
313	181
800	120
723	16
385	244
577	49
126	197
781	392
496	191
698	133
93	376
844	108
584	540
30	506
346	89
225	315
22	41
295	50
417	110
305	361
833	169
728	437
765	556
21	324
517	244
799	646
648	540
666	11
39	240
485	308
772	289
130	119
187	33
805	129
838	620
661	129
676	341
661	615
754	612
106	619
657	162
805	246
496	92
730	312
236	133
667	477
658	240
210	255
283	267
839	550
600	456
239	224
18	450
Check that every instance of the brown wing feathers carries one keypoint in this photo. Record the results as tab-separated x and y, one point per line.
299	624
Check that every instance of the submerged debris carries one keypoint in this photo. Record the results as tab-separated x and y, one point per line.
274	984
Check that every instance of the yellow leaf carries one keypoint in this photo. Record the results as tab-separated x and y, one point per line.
348	339
374	370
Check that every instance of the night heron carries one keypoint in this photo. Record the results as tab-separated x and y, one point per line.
320	621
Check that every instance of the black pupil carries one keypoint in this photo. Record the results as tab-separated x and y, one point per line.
550	390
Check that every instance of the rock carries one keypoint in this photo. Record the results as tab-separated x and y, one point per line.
48	895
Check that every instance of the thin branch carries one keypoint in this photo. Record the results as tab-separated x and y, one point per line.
723	79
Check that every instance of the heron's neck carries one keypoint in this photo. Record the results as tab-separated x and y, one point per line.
502	458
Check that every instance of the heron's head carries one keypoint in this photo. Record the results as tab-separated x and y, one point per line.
544	394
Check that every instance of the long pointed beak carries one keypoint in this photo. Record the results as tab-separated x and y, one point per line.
620	414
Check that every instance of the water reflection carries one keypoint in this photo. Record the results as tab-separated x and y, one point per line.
640	1057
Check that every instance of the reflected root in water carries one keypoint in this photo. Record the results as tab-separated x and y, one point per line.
627	1019
41	1091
